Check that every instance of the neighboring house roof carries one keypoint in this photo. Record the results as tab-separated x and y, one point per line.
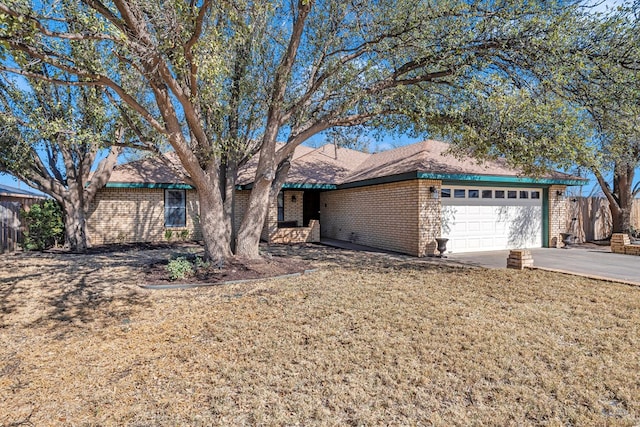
333	167
7	190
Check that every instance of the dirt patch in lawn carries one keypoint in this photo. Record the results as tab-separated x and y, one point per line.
367	339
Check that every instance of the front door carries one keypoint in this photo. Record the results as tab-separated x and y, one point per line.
310	207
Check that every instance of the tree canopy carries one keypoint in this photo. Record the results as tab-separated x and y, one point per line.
223	81
579	105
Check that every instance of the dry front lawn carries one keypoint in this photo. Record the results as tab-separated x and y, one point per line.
366	339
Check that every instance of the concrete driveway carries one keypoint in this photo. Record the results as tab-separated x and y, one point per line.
590	261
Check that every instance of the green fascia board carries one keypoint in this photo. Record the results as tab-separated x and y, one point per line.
449	179
499	179
149	185
452	179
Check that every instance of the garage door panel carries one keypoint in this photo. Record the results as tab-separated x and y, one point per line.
474	227
481	224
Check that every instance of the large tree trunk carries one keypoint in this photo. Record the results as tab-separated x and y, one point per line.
621	218
621	197
75	224
214	225
248	243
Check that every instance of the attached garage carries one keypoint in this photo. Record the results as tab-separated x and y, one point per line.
491	218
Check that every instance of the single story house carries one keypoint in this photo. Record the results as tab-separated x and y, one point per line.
400	200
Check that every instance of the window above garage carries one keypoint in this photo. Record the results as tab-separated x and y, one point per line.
487	196
479	193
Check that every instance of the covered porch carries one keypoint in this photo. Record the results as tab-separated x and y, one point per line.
294	218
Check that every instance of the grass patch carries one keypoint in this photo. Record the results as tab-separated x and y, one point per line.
361	341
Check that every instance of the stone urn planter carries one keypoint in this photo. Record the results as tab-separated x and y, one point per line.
568	239
442	246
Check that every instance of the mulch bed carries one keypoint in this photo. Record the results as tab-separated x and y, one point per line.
231	271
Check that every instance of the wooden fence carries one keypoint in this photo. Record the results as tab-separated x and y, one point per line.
11	225
10	233
589	218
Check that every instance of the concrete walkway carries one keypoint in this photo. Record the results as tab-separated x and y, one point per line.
589	261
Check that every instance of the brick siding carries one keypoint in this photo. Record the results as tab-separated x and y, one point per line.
399	216
127	215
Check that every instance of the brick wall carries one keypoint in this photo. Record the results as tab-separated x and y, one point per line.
241	205
383	216
297	234
557	214
293	208
127	215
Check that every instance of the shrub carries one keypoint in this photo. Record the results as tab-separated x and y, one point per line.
168	234
179	268
201	264
45	226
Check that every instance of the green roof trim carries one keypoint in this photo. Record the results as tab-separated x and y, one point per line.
497	179
149	185
450	179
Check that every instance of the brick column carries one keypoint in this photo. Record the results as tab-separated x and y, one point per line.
429	216
271	222
293	209
557	214
314	224
519	259
618	243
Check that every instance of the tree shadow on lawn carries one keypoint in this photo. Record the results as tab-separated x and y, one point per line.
71	290
86	301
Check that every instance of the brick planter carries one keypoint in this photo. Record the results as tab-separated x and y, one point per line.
621	244
519	259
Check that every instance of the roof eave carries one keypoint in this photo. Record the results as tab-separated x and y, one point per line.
171	186
466	178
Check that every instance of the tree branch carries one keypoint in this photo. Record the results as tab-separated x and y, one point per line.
197	32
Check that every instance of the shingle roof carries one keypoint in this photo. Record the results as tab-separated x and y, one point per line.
7	190
325	165
148	170
431	157
331	165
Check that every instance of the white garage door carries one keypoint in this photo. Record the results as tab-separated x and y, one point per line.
485	219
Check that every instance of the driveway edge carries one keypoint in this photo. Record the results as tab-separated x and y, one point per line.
587	276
